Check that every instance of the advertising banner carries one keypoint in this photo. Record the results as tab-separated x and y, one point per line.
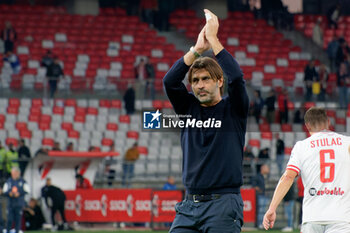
121	205
249	201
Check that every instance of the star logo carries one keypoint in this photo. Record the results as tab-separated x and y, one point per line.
151	119
156	115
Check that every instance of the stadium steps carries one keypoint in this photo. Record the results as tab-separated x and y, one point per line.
307	45
177	38
281	220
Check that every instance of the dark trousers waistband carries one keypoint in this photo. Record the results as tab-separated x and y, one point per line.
202	197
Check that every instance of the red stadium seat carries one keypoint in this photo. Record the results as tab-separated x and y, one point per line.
25	134
266	135
79	118
34	118
2	118
157	104
340	121
21	126
143	150
70	102
264	127
44	126
124	119
12	110
288	150
14	102
132	134
47	142
105	103
35	110
68	126
107	142
254	143
112	126
80	110
58	110
45	118
12	141
286	128
73	134
92	111
308	105
331	113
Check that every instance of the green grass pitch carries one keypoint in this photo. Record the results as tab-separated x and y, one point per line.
134	231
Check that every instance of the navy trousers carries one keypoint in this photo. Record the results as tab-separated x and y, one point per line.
14	215
224	215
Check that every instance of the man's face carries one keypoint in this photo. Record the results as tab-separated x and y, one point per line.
15	174
31	204
206	89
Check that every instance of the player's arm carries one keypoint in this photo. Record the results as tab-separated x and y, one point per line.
174	87
281	190
6	189
236	84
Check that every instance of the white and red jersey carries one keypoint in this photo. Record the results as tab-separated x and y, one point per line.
323	161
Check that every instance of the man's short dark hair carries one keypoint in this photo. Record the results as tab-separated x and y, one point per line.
315	116
210	65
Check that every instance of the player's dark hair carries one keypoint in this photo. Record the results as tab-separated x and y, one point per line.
210	65
315	116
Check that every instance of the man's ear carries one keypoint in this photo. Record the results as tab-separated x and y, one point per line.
308	126
221	82
328	123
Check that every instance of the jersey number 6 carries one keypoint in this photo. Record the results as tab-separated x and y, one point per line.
324	165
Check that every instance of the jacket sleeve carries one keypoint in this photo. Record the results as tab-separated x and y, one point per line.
25	189
174	87
235	83
6	189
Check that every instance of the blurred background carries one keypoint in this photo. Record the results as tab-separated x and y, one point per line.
76	77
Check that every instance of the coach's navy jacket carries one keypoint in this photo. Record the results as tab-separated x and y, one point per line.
22	187
212	158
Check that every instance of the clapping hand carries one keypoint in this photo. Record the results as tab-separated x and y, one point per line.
202	43
212	26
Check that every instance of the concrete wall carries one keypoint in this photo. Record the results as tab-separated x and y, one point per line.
218	7
84	7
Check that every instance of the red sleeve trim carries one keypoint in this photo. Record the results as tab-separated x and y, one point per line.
293	169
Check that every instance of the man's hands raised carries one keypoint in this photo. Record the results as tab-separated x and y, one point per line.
207	38
211	31
202	43
212	25
208	34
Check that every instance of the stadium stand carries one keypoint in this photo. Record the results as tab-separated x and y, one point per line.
97	52
267	59
97	123
306	23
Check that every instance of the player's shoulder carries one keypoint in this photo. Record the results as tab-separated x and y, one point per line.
303	142
297	147
345	138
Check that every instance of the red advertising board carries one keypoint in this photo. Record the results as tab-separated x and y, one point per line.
129	205
134	205
249	200
163	203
